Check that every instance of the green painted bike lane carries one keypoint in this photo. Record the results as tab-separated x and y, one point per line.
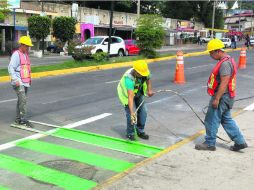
3	188
78	155
56	177
41	173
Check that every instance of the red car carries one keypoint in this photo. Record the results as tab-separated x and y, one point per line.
131	47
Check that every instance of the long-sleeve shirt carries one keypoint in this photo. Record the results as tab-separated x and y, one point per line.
14	69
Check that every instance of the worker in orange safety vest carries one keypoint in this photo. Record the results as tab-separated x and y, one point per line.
221	87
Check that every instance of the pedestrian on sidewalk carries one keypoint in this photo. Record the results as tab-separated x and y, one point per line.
20	73
247	43
221	87
233	42
134	85
199	41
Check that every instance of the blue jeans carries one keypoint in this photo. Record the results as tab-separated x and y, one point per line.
141	116
221	115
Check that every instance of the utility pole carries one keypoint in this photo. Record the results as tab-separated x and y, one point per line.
138	8
239	20
42	10
14	24
251	25
110	26
214	4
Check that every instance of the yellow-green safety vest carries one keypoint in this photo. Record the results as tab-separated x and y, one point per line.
122	90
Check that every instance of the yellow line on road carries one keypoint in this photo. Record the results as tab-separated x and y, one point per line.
144	162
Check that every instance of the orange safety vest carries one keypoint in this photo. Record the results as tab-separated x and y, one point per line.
213	83
25	68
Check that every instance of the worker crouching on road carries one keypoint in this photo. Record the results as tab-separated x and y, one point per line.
221	87
20	73
134	85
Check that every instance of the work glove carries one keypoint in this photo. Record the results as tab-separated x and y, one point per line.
134	119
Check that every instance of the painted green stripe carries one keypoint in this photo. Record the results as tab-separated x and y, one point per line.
3	188
78	155
41	173
108	142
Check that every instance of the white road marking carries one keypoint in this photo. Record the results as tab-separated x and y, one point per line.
10	100
246	76
37	136
115	81
67	98
89	120
199	66
249	108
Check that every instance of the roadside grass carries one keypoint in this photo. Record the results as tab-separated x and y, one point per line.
85	63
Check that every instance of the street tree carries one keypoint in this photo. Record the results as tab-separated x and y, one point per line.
150	34
64	28
39	28
200	11
3	10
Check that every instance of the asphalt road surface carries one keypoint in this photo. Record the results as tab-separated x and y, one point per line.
67	100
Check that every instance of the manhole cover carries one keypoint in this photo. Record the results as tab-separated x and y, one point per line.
71	167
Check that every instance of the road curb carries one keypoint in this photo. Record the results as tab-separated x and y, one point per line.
104	67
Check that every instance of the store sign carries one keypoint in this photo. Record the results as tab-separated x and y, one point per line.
118	22
185	24
13	4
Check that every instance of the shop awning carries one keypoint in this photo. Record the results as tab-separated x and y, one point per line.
236	33
124	28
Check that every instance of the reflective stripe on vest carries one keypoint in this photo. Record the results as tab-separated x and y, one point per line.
25	68
122	90
212	83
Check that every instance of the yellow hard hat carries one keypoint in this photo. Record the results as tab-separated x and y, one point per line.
26	40
215	44
141	67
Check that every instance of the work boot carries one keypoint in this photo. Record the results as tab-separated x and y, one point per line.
204	146
26	123
143	135
17	121
238	147
131	137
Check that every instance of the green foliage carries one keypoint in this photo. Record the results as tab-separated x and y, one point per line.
150	34
100	56
81	53
219	20
200	11
39	27
248	5
64	28
3	10
178	9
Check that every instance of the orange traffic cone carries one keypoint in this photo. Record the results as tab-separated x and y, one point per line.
179	74
242	59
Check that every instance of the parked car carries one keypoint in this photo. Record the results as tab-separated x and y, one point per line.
54	49
252	41
131	47
100	44
205	39
226	42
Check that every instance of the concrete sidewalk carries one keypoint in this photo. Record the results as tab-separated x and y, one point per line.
186	168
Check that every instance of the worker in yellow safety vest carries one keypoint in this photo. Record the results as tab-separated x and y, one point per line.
134	85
